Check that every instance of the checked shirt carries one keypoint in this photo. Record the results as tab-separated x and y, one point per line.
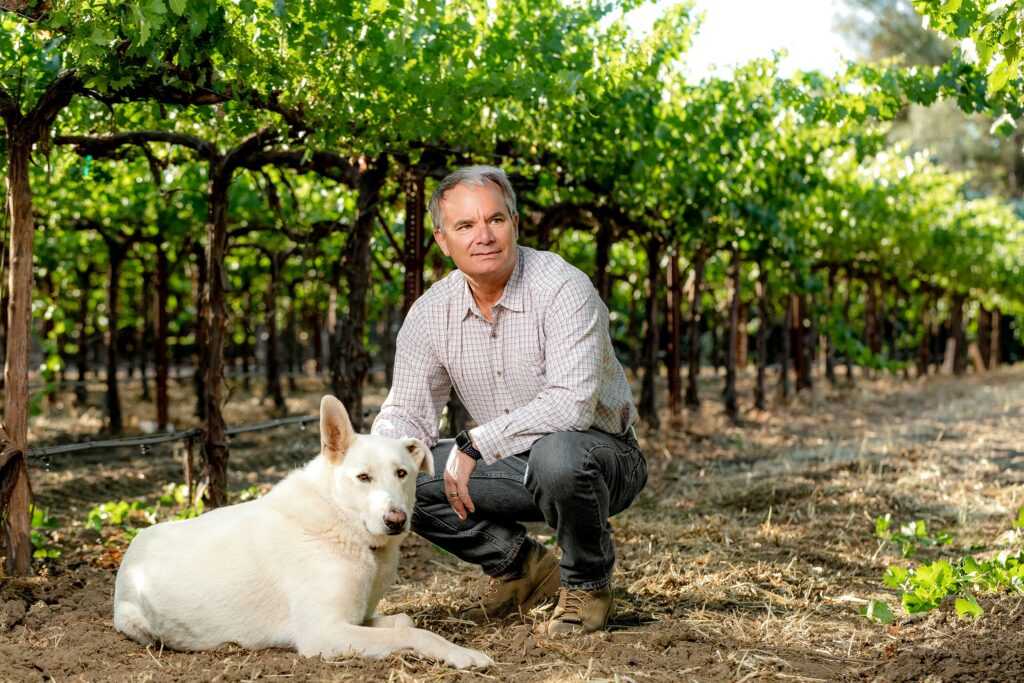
544	364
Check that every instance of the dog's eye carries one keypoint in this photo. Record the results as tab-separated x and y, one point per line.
400	473
364	477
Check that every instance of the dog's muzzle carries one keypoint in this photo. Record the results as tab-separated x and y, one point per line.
395	522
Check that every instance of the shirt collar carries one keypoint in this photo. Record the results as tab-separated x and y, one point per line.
511	297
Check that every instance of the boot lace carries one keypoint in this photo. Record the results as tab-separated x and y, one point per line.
489	589
570	604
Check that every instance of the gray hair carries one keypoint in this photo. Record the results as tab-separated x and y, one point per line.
472	175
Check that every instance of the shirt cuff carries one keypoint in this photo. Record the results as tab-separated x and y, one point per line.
398	430
487	439
383	428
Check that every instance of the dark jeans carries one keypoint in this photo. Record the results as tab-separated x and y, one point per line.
574	481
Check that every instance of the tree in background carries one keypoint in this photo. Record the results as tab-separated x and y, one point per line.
887	29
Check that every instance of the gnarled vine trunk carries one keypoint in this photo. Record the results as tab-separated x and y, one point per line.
732	351
82	354
763	323
294	352
830	352
160	342
199	285
985	337
693	335
273	364
116	254
846	321
673	312
648	407
14	480
803	336
787	348
924	344
215	440
413	186
997	346
350	359
956	324
145	337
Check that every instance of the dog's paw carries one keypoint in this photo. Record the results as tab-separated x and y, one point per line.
391	621
466	658
402	620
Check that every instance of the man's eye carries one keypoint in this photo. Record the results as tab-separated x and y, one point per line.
364	477
400	473
498	219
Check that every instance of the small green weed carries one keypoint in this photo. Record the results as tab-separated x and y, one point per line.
926	586
176	496
910	536
122	515
43	526
129	517
249	493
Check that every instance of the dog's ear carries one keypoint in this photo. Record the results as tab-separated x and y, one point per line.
420	455
336	434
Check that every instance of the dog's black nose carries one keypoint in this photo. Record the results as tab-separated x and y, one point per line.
395	521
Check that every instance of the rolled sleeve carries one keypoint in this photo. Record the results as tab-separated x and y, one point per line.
420	386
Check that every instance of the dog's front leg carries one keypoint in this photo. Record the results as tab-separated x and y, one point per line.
390	621
349	639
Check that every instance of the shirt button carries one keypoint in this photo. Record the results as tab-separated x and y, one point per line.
506	411
499	373
494	334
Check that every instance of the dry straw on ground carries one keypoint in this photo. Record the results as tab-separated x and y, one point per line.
747	557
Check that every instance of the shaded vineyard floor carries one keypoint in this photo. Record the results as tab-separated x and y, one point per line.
746	558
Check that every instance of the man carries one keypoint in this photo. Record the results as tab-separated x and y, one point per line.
523	338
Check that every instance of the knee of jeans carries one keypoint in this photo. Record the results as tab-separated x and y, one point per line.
554	463
429	490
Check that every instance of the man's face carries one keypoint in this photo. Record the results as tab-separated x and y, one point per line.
479	235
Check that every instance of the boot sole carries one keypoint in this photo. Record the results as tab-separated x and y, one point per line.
546	589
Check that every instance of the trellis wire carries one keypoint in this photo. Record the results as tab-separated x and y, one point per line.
145	441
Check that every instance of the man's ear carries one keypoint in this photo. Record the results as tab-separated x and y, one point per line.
421	455
442	241
336	433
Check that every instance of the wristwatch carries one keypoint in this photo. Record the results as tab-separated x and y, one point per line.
465	444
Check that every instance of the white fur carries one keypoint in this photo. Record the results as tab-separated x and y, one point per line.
303	567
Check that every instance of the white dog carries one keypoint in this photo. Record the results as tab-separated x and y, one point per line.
303	567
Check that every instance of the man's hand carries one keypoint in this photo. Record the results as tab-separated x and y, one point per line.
456	482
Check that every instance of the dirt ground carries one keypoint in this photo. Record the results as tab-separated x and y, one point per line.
746	558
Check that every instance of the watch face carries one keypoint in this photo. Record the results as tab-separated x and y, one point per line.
462	440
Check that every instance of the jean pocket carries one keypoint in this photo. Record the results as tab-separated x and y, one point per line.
637	478
640	472
632	479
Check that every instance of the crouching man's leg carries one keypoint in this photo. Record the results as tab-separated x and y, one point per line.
521	572
578	480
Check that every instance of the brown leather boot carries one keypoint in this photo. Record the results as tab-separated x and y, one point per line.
579	611
521	591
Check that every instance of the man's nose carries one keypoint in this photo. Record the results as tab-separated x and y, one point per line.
485	235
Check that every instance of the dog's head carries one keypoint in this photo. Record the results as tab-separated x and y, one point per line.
372	476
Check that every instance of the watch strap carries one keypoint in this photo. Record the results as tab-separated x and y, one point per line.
465	444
